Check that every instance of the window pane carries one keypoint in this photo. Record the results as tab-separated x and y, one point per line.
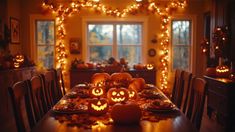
45	56
181	32
45	32
131	53
100	34
100	53
181	57
129	34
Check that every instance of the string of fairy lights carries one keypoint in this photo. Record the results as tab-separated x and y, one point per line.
64	10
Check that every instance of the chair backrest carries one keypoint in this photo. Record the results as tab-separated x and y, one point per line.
60	83
187	76
196	100
50	87
38	96
22	106
177	87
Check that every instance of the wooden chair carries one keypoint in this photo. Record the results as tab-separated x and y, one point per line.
60	83
22	106
38	97
187	76
196	100
49	88
177	88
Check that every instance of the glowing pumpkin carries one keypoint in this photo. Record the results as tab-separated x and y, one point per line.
149	66
19	58
16	64
97	91
100	79
98	106
132	94
128	113
117	95
222	71
121	79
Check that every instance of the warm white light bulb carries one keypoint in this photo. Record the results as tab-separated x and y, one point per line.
138	0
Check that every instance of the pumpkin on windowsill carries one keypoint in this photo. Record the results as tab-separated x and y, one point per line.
98	106
222	71
117	95
126	113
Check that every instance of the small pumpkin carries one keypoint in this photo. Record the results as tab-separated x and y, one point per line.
117	95
100	78
97	91
149	66
132	94
134	86
210	71
139	67
222	71
127	113
140	82
98	106
19	58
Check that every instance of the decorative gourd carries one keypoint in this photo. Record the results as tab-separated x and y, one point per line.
222	71
122	78
117	95
97	91
100	79
149	66
211	71
128	113
98	106
140	82
132	94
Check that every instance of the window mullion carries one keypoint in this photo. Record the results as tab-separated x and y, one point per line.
115	48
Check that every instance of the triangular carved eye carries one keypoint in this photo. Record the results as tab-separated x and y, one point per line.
98	103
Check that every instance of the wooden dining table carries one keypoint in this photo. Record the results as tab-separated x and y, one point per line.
157	122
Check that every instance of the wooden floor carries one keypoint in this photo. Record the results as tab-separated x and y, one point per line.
209	125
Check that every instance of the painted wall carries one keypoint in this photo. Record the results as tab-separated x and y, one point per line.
74	28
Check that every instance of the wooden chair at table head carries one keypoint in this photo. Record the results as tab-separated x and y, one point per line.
187	77
177	88
38	96
22	106
196	100
60	82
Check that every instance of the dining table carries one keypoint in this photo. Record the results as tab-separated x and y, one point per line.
151	121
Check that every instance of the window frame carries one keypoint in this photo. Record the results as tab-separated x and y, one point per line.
108	20
192	49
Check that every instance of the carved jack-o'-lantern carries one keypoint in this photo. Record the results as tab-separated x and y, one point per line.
100	79
98	106
16	64
132	94
149	66
97	91
222	71
19	58
117	95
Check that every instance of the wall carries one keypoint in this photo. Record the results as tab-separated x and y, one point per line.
74	28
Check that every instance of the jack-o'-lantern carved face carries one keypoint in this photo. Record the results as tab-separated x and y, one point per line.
222	71
98	106
16	64
117	95
97	91
132	94
19	58
100	79
150	66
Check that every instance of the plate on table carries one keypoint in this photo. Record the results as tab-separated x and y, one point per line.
161	106
83	86
65	107
149	86
72	94
151	94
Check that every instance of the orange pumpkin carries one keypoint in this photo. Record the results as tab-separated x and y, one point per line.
117	95
97	91
100	79
122	78
82	66
132	94
139	67
19	58
98	106
140	82
150	66
222	71
128	113
134	86
211	71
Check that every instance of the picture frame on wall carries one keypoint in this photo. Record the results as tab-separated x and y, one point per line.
15	30
75	46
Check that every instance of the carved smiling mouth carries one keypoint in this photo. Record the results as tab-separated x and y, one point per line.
98	108
118	99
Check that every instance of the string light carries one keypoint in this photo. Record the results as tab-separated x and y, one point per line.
65	10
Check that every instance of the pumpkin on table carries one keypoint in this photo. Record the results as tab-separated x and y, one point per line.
137	83
100	79
98	106
117	95
222	71
126	113
121	79
132	93
211	71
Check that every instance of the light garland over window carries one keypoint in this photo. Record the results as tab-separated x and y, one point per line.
64	10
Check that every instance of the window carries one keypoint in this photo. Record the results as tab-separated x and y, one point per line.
181	44
45	41
116	40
